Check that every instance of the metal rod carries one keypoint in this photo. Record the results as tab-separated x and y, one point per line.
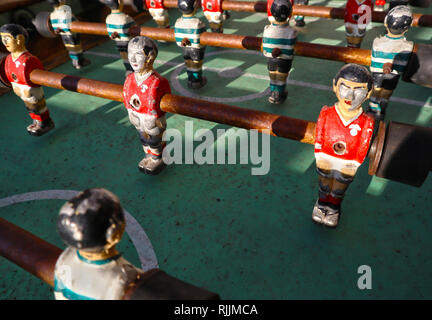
419	20
28	251
277	125
320	51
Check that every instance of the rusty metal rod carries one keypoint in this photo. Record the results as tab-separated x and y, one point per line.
282	126
28	251
320	51
419	20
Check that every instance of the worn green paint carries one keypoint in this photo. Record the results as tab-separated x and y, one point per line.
242	236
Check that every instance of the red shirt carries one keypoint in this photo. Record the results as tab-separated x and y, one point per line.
154	4
146	97
339	139
211	5
18	71
353	13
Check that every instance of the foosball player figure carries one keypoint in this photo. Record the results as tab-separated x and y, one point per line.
390	56
61	19
187	30
159	12
214	14
299	20
118	25
358	14
18	66
379	5
342	138
278	46
142	92
91	268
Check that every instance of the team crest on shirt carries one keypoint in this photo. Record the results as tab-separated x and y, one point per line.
135	101
355	128
144	88
17	64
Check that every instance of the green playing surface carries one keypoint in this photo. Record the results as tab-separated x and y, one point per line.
218	226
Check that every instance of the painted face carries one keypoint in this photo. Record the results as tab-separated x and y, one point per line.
9	42
137	59
351	94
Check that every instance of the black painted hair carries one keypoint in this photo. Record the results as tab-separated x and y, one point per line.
139	4
149	45
54	2
14	30
186	6
355	73
112	4
88	220
281	10
399	19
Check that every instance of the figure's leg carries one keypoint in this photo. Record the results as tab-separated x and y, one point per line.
122	48
153	146
194	58
299	20
72	42
38	111
278	73
354	34
383	87
215	20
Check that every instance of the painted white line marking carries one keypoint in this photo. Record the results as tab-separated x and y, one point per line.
257	76
138	236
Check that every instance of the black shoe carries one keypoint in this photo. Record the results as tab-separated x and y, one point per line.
300	23
197	84
38	128
276	97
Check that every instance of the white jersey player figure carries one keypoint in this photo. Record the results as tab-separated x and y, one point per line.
119	25
91	268
61	19
142	92
342	138
390	56
278	46
187	30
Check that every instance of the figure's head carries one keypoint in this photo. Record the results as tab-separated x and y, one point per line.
187	6
281	10
57	2
142	52
92	221
14	37
398	20
113	4
352	86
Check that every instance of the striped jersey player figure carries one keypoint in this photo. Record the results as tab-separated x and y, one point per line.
299	20
342	138
187	30
159	12
390	56
61	19
358	15
214	14
118	25
18	66
142	93
91	268
278	46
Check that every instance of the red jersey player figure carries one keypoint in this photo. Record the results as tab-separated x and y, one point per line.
214	14
358	15
17	68
159	12
342	138
142	92
379	5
